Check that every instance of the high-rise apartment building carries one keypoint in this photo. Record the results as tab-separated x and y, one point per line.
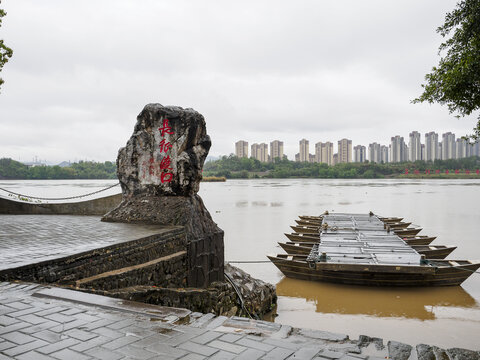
241	149
431	146
324	153
359	153
384	154
276	150
344	151
462	149
260	152
374	154
414	146
398	149
304	151
448	146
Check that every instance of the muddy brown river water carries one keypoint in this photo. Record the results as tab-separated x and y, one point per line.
256	213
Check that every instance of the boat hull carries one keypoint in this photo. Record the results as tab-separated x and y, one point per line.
375	275
303	237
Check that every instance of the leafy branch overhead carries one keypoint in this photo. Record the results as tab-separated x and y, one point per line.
455	82
5	52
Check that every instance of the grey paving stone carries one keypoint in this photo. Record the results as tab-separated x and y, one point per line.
198	348
6	344
250	354
283	343
193	357
322	335
48	324
7	320
19	313
86	345
351	357
17	350
328	354
54	309
135	352
255	344
70	355
33	355
58	346
109	333
48	335
305	353
68	326
222	345
88	318
18	305
219	320
96	324
177	340
81	334
121	324
231	337
147	341
119	342
137	331
3	357
278	354
168	351
60	318
6	309
206	337
32	319
104	354
222	355
72	311
18	337
203	320
13	327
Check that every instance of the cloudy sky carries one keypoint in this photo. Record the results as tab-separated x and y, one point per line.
257	70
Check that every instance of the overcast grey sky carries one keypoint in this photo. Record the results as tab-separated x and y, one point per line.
257	70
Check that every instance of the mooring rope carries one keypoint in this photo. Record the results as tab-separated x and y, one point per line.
239	294
64	198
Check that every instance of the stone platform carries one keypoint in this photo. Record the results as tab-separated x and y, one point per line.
40	323
28	239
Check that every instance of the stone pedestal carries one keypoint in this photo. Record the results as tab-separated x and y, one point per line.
159	170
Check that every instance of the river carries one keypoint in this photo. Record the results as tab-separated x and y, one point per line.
256	213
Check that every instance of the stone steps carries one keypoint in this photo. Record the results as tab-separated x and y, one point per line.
166	271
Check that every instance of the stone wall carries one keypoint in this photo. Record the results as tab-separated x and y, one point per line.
91	207
83	265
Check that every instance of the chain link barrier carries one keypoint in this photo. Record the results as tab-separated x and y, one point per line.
64	198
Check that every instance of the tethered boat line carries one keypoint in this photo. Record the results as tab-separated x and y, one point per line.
367	249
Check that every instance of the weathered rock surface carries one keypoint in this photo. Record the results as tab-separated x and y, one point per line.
160	170
398	350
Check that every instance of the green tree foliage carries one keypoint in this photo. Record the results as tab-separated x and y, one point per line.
11	169
5	52
233	167
455	82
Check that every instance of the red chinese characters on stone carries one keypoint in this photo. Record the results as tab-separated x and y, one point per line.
165	146
166	129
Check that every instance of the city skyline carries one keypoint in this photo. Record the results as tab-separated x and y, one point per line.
399	149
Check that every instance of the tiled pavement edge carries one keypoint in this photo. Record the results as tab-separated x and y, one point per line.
37	323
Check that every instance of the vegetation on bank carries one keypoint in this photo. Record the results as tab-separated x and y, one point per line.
11	169
233	167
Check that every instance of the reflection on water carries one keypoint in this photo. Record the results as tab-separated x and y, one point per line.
417	303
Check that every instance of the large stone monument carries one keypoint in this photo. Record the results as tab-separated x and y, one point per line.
159	170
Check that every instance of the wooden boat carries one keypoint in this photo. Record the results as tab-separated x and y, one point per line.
309	223
397	225
390	219
419	240
430	252
431	273
303	237
306	229
306	217
407	231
